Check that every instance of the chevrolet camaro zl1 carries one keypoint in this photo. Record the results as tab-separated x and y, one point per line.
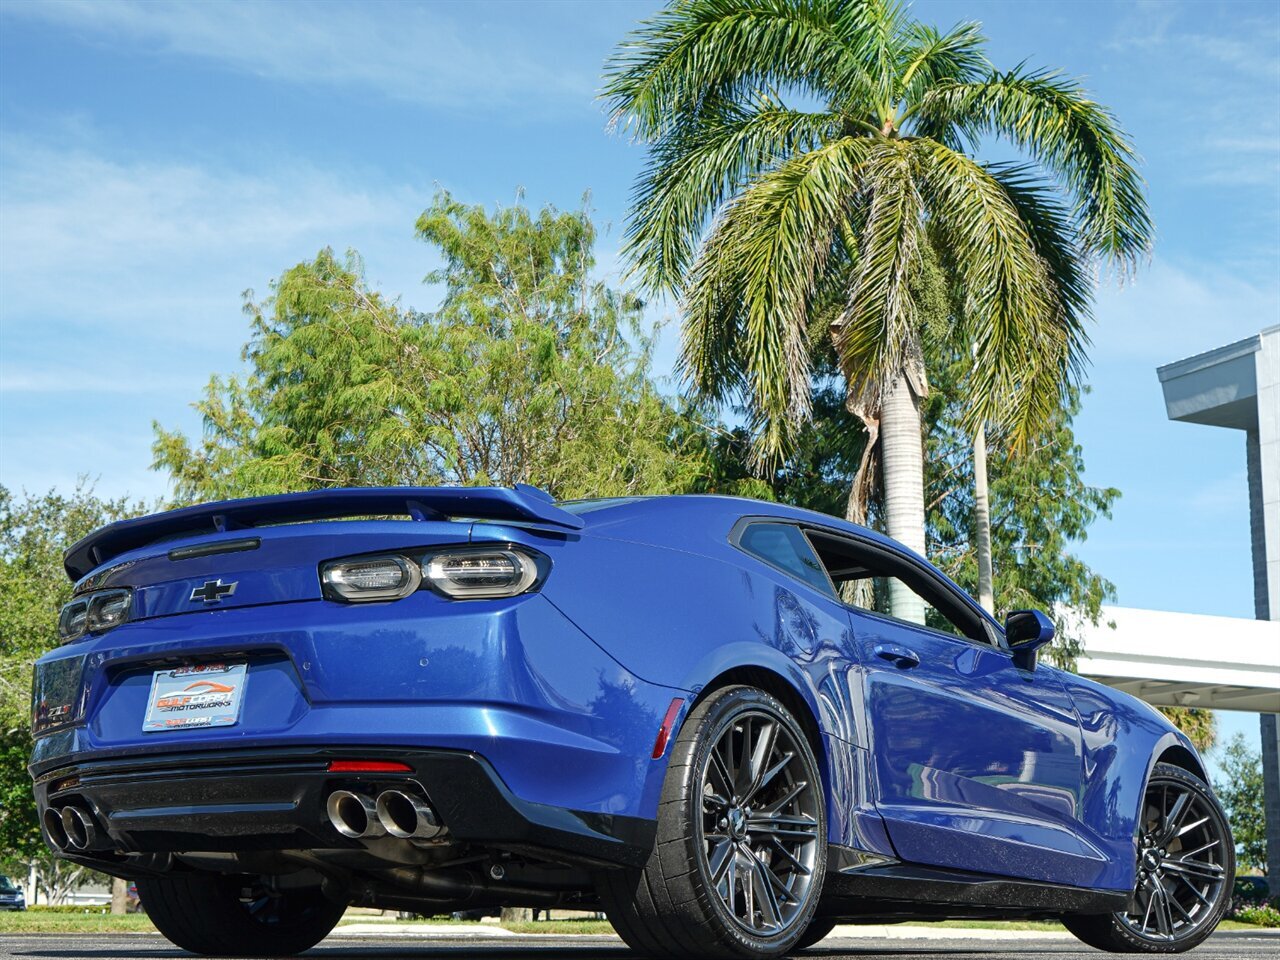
696	713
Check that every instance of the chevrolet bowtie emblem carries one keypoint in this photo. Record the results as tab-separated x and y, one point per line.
213	590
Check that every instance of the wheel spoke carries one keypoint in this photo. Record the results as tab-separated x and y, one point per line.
742	769
1193	868
719	772
1201	849
760	755
1164	921
730	877
719	859
1187	828
767	777
778	848
783	826
1177	905
793	791
1195	891
1151	902
770	913
1168	829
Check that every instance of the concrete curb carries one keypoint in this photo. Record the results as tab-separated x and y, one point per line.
438	931
904	931
485	931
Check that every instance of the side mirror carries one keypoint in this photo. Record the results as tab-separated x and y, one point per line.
1026	631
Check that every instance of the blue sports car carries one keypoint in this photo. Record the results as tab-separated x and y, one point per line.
696	713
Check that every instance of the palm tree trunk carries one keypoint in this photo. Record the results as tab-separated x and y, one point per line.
902	453
982	521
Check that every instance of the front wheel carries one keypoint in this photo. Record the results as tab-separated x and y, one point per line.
1186	862
237	917
741	849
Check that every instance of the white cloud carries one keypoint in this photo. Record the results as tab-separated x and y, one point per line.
406	52
120	291
85	239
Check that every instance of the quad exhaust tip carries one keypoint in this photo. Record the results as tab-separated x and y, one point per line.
54	829
71	828
408	817
354	815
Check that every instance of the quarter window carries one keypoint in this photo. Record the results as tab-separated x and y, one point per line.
863	578
784	546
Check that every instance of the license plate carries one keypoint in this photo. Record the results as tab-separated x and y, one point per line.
207	695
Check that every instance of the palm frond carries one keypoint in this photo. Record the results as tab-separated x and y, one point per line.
1013	321
877	331
748	303
692	172
729	49
1079	141
930	57
1052	233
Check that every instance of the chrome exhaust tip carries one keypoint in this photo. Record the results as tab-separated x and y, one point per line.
80	830
408	817
54	831
353	815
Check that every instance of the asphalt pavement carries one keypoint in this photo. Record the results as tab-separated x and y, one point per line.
1223	946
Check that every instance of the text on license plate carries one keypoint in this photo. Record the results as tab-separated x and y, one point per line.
204	695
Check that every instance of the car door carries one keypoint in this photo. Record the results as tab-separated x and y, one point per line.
976	762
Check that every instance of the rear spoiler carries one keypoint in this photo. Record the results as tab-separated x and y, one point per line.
521	503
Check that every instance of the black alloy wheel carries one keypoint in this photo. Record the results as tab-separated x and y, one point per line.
1185	867
741	852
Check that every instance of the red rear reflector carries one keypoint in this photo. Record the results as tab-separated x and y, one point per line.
369	766
664	731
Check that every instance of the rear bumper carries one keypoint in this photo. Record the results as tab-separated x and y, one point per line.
274	799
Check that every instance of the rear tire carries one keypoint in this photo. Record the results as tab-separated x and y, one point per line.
1186	862
211	914
817	931
741	851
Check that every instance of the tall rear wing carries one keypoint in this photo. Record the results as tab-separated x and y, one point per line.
522	503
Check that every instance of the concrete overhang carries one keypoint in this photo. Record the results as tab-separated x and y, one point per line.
1185	659
1218	388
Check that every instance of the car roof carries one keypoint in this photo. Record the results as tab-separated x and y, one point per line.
673	518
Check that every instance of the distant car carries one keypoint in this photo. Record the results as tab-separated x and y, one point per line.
698	713
11	895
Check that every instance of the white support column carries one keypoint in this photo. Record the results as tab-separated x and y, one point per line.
1238	387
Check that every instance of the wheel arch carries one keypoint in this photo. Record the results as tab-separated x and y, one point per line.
777	686
1179	756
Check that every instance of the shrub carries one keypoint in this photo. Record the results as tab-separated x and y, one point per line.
1267	916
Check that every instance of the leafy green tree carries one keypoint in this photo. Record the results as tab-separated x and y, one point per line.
34	532
1241	793
805	146
530	371
1199	724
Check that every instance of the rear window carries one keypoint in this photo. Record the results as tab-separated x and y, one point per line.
784	546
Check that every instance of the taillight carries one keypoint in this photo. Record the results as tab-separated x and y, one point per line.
459	573
370	578
94	613
480	572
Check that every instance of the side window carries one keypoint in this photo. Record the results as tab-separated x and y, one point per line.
865	580
784	546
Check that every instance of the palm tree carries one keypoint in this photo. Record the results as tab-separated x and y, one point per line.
804	153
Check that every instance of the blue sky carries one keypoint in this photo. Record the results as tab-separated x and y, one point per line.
158	159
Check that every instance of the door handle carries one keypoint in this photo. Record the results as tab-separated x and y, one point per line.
898	655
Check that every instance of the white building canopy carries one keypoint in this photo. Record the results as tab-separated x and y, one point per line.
1186	660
